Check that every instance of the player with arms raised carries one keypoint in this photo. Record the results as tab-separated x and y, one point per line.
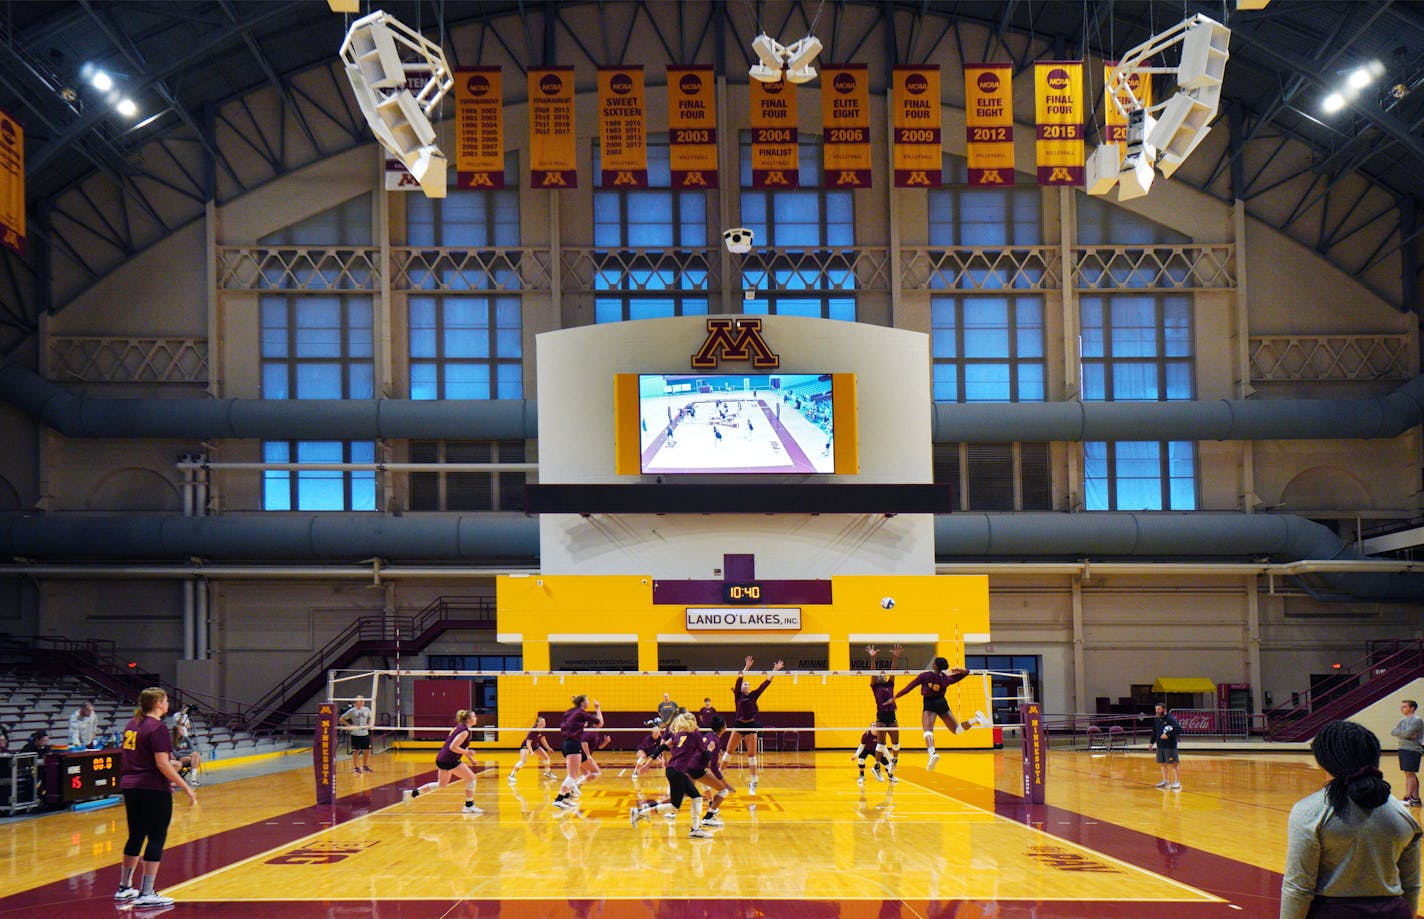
933	683
572	728
745	728
886	726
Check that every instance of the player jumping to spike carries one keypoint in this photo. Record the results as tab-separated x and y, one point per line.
745	728
933	683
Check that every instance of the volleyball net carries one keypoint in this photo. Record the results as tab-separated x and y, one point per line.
800	710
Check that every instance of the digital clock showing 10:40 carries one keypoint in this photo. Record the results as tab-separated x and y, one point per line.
746	592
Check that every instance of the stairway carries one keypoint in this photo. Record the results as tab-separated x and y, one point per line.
369	636
1388	666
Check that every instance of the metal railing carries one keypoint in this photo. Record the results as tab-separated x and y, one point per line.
1386	665
1084	731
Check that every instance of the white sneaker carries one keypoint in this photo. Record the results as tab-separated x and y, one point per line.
712	820
1175	786
982	719
751	787
472	812
860	780
1162	784
634	815
562	803
152	899
893	780
511	778
407	794
670	815
934	758
875	771
125	893
699	833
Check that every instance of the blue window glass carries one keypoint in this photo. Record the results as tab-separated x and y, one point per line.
992	348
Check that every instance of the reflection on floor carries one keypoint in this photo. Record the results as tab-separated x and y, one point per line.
957	841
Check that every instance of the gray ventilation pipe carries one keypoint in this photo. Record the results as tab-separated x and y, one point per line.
1225	419
346	537
1202	534
335	419
296	538
266	419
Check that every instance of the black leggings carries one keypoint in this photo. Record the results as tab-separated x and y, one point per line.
149	813
680	784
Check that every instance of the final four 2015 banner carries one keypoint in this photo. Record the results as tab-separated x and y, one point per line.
776	151
552	145
1115	126
989	123
918	153
845	125
1058	104
479	127
622	127
12	184
692	126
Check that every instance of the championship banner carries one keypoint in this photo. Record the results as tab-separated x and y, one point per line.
918	155
12	184
324	753
692	126
989	123
552	147
479	127
1058	105
1116	125
845	125
622	127
776	152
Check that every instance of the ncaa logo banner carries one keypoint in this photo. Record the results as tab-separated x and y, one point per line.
845	125
12	184
692	126
1139	85
917	122
1058	104
622	127
552	147
479	127
776	152
989	124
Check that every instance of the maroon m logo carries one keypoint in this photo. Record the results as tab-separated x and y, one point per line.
735	340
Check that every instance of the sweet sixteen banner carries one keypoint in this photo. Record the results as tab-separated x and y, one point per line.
622	128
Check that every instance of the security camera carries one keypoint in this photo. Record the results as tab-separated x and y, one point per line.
739	240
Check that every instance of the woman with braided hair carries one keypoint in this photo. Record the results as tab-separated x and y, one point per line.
1352	850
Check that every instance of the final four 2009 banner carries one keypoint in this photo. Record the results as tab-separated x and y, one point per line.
918	154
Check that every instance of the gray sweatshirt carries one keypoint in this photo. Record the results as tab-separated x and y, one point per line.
1409	731
1355	854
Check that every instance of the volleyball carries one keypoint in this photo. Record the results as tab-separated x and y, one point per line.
887	602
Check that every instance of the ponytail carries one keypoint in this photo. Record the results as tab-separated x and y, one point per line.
462	716
1350	753
579	700
148	700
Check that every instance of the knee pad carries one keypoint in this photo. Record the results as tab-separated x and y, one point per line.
751	760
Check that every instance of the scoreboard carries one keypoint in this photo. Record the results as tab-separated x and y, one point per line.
81	775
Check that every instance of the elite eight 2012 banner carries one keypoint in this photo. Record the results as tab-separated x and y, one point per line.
989	123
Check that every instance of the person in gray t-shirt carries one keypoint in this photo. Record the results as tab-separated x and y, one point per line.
1351	839
1410	732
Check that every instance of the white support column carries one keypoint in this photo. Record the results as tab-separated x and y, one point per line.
1072	355
200	639
1253	644
1243	357
1080	681
381	321
556	264
729	162
189	621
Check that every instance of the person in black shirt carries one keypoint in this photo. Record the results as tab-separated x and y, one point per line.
1165	731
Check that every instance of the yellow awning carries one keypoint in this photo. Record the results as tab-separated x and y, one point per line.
1183	684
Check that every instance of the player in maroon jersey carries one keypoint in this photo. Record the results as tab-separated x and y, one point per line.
593	741
690	750
746	726
456	760
887	728
572	726
933	683
711	775
705	714
649	751
870	746
534	742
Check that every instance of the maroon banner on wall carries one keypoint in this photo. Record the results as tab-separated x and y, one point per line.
1035	749
324	753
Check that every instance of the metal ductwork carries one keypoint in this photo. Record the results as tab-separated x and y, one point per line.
334	419
345	537
1199	534
1225	419
266	419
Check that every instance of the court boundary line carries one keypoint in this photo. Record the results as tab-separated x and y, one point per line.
1211	897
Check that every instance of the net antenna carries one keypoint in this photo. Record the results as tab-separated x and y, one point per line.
1164	134
399	77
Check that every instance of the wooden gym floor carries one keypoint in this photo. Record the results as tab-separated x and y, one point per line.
958	841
